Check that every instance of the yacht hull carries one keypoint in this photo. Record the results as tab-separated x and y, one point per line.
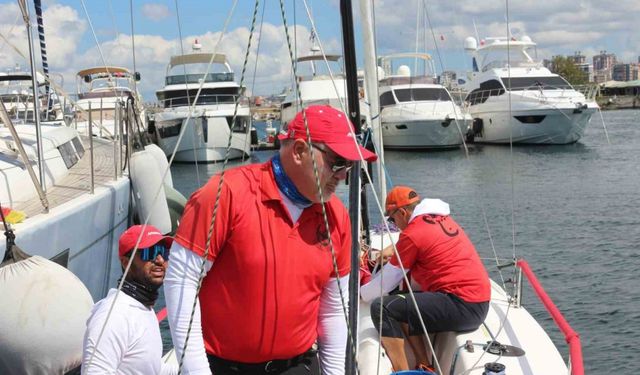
206	137
546	125
422	134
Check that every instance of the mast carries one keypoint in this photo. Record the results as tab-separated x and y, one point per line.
36	100
353	108
371	88
43	52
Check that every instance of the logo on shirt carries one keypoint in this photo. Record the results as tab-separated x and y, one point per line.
322	236
429	219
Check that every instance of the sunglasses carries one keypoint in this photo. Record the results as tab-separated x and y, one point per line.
339	164
150	253
390	217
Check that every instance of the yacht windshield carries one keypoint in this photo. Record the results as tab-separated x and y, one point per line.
193	73
543	83
422	94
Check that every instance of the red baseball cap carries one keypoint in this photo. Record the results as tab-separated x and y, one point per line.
400	196
331	127
150	236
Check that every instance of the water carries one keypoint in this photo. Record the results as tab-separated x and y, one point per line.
575	211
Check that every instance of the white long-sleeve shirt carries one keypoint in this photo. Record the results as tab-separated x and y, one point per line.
131	342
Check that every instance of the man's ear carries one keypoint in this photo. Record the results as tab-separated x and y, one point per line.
124	260
299	149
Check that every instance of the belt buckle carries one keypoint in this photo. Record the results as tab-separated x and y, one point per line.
266	367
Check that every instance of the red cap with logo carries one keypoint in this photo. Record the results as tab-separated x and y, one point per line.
331	127
150	236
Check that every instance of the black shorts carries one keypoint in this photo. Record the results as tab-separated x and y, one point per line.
440	311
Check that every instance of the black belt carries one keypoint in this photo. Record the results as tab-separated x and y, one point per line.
268	367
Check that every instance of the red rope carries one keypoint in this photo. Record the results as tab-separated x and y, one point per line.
571	336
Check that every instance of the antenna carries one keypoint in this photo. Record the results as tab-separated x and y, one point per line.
476	30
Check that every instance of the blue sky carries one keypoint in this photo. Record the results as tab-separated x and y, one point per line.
559	27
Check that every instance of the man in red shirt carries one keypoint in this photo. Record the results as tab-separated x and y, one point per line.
455	285
270	288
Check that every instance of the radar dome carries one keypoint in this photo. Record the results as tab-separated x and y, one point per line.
526	38
470	43
404	71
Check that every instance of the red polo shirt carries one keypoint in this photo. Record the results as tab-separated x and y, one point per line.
442	258
260	299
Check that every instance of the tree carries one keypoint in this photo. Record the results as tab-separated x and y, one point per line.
565	67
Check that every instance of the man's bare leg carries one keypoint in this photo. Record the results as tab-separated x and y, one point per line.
417	345
395	350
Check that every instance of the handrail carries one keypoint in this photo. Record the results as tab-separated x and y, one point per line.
570	336
162	314
203	99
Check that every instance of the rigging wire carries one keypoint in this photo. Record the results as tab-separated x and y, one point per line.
350	334
255	66
221	180
157	194
186	87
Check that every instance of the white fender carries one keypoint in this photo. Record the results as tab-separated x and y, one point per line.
43	317
162	162
146	178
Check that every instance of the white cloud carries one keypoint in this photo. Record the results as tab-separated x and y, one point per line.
155	12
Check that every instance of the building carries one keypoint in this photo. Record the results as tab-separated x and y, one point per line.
578	58
603	66
625	72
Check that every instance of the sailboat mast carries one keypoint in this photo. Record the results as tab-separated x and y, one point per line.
353	111
43	52
24	7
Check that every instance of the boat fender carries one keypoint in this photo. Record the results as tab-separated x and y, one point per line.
176	203
43	317
162	162
254	136
146	177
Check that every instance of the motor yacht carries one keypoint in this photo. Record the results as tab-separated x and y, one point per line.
417	112
515	99
99	89
209	121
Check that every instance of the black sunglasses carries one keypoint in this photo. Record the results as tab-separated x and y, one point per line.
390	217
150	253
339	164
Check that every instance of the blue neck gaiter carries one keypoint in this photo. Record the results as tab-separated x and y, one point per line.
286	185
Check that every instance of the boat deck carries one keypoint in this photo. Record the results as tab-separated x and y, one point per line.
78	181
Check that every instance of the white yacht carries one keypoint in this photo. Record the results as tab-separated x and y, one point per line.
210	124
99	89
17	96
319	89
415	111
513	98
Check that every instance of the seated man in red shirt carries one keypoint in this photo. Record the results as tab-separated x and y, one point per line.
455	285
270	289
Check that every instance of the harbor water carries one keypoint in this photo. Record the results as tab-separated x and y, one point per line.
573	212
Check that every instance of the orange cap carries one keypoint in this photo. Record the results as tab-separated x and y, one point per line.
400	196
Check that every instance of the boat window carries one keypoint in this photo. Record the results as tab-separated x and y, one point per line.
241	125
68	154
180	98
487	89
387	99
61	258
422	94
537	83
170	130
79	147
195	78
